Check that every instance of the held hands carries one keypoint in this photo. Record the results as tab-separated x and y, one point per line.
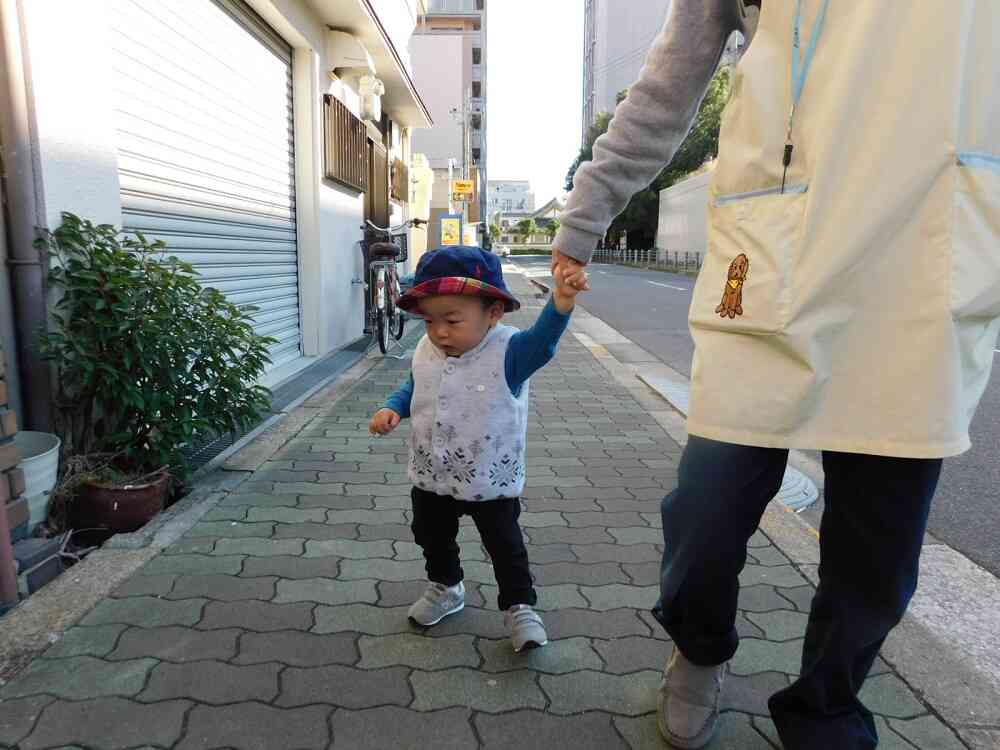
384	422
570	278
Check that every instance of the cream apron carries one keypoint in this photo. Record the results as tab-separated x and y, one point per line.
858	310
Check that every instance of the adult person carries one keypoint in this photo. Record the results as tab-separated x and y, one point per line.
849	303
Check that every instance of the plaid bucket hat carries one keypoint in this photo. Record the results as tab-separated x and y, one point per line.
466	271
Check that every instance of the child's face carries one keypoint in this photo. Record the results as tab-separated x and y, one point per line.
457	324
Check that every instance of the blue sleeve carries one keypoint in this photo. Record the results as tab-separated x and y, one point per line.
399	401
529	351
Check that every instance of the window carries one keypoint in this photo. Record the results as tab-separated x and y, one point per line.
345	145
477	122
477	56
476	155
477	89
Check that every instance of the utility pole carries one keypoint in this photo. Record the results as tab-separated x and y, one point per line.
451	181
466	129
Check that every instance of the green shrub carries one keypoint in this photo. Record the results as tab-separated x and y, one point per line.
146	358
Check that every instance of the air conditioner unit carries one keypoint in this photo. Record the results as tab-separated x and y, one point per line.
346	52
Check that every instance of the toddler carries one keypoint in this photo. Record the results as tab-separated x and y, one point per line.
467	397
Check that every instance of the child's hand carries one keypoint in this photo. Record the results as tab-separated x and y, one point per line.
570	281
384	422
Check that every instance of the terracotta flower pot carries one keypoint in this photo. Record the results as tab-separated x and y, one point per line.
119	509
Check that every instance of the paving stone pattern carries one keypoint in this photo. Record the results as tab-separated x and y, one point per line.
279	620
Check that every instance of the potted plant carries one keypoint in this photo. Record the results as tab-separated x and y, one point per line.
146	359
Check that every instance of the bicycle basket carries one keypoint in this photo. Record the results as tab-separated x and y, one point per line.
404	247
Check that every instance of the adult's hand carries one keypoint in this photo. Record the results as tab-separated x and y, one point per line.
570	267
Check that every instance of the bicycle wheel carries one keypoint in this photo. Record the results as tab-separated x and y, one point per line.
382	312
398	317
400	324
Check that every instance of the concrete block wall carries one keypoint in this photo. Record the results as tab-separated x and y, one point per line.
13	507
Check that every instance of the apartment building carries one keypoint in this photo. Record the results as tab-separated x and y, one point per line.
509	196
617	37
449	55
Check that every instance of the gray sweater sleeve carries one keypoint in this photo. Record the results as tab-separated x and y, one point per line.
650	125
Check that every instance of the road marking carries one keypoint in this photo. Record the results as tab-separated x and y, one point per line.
669	286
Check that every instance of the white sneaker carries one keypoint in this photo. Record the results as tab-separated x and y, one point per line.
438	601
527	631
688	702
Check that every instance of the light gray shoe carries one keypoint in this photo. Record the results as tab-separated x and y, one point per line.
438	601
687	707
527	631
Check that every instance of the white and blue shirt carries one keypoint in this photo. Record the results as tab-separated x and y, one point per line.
470	413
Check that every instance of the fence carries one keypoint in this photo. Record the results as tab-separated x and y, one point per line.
661	260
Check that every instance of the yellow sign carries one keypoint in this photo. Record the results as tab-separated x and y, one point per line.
471	238
451	231
463	190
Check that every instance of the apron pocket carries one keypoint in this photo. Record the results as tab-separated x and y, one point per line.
745	283
975	263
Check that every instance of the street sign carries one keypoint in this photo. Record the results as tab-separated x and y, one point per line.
463	190
451	230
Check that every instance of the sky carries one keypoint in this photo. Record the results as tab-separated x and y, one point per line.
535	91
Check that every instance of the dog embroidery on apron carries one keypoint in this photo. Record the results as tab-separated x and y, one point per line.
732	295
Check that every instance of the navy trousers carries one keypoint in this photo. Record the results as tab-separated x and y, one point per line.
870	540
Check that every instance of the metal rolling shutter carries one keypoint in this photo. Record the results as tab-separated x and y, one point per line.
204	118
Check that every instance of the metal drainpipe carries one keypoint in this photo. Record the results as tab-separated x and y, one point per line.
24	214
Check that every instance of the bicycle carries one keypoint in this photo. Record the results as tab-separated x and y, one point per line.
382	288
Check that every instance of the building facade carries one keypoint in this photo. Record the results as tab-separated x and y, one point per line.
545	219
618	35
507	196
254	137
449	55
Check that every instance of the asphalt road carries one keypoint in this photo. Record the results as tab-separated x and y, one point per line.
650	308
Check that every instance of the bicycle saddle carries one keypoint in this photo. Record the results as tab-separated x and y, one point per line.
383	250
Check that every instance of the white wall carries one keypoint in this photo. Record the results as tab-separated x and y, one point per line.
683	222
438	73
69	70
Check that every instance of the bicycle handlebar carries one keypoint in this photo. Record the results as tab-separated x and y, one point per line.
391	229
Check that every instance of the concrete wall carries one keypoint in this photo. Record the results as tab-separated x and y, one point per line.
683	223
68	62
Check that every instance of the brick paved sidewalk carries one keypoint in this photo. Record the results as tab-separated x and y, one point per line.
279	620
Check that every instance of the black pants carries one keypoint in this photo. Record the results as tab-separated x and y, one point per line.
435	529
871	536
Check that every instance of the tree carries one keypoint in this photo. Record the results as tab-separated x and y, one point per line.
526	228
494	232
639	219
551	228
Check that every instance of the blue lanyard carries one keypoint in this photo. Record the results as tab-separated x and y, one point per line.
801	65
